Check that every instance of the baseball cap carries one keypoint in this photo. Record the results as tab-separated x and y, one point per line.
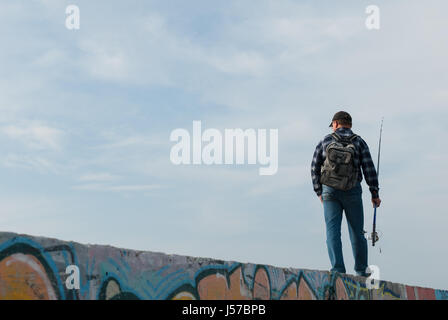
341	115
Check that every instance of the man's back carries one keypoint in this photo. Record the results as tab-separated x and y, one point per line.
362	159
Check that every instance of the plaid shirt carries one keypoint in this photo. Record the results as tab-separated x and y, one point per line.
362	159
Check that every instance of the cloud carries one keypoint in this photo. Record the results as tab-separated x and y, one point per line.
29	162
133	140
105	62
35	136
240	62
117	188
99	177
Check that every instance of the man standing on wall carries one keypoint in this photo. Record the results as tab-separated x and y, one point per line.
336	176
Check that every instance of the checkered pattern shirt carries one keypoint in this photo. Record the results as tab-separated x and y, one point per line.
362	160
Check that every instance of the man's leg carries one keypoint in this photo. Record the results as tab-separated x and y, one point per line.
333	220
354	213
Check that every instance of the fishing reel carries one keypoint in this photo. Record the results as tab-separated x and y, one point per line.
373	236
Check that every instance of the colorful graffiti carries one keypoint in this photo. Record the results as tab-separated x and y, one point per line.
34	268
26	273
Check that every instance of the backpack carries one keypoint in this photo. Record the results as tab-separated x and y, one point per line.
338	170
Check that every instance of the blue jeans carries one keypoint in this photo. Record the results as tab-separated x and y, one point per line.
336	201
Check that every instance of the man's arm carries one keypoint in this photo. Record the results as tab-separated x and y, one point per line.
368	169
316	165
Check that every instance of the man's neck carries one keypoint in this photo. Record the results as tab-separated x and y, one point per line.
343	129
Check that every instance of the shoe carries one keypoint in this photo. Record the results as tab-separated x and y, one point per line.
363	274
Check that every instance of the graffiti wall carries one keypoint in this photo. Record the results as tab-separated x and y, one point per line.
42	268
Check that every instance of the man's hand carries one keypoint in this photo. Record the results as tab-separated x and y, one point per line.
320	197
376	202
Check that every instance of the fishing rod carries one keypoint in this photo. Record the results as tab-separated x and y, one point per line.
374	234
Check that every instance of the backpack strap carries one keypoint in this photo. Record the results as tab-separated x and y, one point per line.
336	136
345	140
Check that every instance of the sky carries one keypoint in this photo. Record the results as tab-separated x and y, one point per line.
86	117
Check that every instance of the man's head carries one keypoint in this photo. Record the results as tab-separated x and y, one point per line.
341	119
